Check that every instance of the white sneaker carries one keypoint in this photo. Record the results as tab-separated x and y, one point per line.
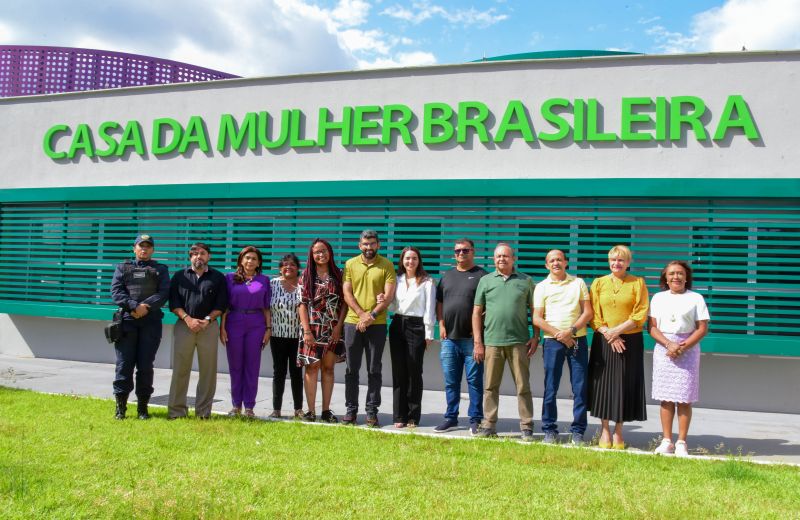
666	447
680	449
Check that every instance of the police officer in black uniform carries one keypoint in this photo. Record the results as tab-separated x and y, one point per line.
140	288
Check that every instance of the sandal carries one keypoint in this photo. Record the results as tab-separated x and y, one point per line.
249	413
412	424
298	414
310	416
276	414
400	425
235	412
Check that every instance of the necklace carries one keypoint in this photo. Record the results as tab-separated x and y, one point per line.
291	287
248	279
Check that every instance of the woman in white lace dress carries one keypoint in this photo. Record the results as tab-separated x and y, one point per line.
678	321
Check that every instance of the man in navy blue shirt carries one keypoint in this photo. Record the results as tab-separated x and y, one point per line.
140	288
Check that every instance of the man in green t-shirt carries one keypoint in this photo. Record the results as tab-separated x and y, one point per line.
365	277
500	328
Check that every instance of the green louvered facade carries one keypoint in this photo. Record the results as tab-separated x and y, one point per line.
57	257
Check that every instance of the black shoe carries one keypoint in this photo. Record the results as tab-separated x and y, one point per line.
310	416
446	426
122	406
350	418
141	409
328	417
372	421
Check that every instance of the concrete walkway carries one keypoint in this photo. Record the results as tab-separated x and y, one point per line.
762	437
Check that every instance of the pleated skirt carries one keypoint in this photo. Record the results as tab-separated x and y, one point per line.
616	381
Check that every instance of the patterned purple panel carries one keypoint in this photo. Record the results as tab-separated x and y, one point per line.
26	71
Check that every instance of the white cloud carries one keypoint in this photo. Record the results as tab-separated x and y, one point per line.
422	11
350	13
754	24
7	35
472	16
243	37
671	42
647	21
401	59
372	41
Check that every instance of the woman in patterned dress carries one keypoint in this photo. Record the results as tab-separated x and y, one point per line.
616	361
678	321
285	335
322	311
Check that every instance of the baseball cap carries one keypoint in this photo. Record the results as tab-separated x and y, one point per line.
144	238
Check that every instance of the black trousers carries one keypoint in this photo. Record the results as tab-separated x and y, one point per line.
284	352
137	349
358	345
407	347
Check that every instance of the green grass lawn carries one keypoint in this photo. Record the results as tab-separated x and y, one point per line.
65	457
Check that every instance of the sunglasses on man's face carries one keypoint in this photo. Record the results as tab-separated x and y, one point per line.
464	251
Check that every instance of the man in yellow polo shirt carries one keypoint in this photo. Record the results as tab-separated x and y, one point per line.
365	277
561	310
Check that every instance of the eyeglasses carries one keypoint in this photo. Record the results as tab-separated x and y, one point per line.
464	251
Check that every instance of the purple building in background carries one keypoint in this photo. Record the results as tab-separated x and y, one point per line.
26	71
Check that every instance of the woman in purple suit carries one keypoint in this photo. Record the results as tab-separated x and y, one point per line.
246	328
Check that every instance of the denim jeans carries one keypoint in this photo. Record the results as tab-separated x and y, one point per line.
455	355
578	361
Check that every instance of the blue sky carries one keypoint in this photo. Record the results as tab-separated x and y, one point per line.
269	37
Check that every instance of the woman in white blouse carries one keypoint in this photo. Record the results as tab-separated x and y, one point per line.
678	321
410	333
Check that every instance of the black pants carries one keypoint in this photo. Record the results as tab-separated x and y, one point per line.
137	348
284	352
357	345
407	347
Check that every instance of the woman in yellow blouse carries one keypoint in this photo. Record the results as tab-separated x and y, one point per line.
616	362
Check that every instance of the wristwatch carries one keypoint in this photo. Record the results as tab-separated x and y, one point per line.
207	318
573	331
374	315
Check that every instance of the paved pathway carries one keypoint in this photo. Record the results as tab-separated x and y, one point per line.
765	437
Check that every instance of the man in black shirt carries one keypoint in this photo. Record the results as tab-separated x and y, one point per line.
139	288
455	298
197	296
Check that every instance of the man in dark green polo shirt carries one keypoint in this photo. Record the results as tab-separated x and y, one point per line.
500	328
